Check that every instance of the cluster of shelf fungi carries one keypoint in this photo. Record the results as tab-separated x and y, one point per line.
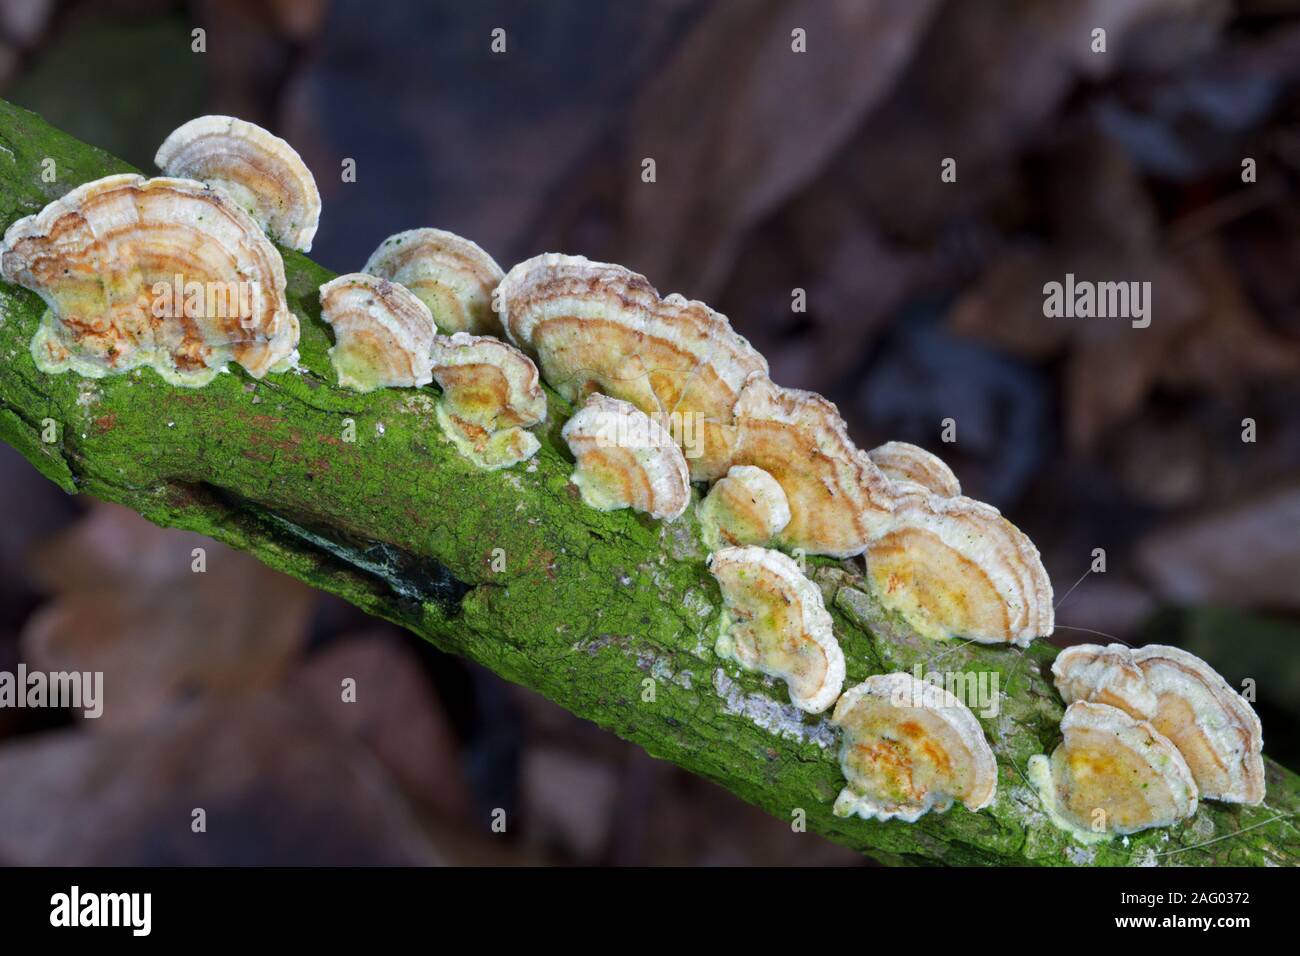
668	396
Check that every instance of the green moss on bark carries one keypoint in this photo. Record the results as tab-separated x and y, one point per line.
589	606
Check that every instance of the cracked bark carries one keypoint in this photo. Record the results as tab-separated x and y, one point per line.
589	606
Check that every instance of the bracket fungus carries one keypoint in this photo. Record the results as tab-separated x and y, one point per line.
626	460
453	276
838	499
1215	729
258	170
776	622
910	746
901	461
383	334
954	567
1112	774
744	506
1104	675
490	394
159	272
598	327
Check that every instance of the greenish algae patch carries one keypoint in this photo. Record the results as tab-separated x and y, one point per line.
45	457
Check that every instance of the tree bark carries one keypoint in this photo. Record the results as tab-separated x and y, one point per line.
613	616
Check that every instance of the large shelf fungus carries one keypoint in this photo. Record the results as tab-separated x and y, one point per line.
258	170
163	273
490	396
777	623
1217	732
598	327
901	461
383	334
910	746
745	506
626	460
453	276
954	567
837	498
1112	774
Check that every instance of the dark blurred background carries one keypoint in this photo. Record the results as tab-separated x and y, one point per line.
775	171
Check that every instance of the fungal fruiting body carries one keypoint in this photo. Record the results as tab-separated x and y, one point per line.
454	277
626	460
383	334
1215	729
490	395
837	498
160	272
597	327
1112	774
954	567
777	623
258	170
1104	675
910	746
901	461
744	506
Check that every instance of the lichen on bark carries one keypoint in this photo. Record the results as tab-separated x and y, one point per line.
589	606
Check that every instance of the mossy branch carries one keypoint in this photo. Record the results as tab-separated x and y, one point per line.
509	569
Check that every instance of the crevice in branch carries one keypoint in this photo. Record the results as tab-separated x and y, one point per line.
412	580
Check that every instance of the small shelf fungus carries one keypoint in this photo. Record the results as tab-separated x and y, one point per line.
626	460
598	327
258	170
383	334
775	622
490	394
901	461
909	747
1112	774
1216	730
837	498
164	273
454	277
954	567
745	506
1104	675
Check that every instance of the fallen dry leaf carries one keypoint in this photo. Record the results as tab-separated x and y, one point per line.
737	121
276	784
568	802
128	603
396	713
1247	555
